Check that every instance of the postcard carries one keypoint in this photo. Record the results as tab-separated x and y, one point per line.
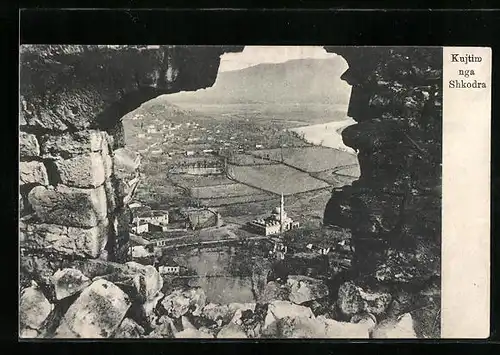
323	192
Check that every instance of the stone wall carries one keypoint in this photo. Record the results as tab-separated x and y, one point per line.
394	209
76	177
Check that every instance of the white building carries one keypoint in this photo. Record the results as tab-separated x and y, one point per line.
277	222
153	217
140	228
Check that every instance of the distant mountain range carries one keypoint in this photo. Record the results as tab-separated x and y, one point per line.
296	81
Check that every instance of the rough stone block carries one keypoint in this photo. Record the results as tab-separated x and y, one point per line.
353	300
96	313
281	309
82	171
147	279
34	308
180	302
75	241
129	329
69	206
28	145
304	289
70	144
399	328
68	282
33	172
126	162
39	269
231	331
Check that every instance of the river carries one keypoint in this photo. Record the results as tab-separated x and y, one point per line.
326	134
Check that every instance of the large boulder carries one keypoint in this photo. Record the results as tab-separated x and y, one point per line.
34	308
320	327
181	302
149	308
68	282
296	327
163	328
28	145
274	291
39	269
141	282
125	163
96	313
225	312
129	329
399	328
230	331
33	172
304	289
28	333
186	323
348	330
281	309
353	299
148	280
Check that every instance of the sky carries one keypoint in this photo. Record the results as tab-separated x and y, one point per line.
253	55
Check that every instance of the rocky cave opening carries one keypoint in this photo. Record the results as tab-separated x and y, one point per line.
72	100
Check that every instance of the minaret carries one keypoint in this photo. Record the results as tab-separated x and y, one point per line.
282	210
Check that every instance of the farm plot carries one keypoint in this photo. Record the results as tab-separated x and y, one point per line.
352	170
226	190
247	159
188	181
236	200
276	178
334	179
310	159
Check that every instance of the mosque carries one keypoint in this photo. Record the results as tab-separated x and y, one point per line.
277	222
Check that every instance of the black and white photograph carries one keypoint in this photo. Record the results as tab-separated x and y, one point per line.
175	191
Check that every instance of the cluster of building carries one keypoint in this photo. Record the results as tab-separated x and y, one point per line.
150	221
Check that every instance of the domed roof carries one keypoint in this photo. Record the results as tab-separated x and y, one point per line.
277	210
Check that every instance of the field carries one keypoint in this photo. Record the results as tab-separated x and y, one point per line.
334	179
255	179
310	159
352	170
247	159
236	200
225	190
277	178
188	181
